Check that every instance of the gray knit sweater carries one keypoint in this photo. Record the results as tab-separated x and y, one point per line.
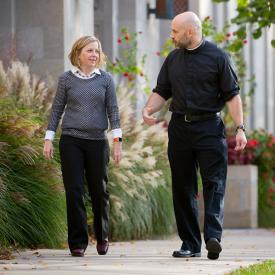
87	105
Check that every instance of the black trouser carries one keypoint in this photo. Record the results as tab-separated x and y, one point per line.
85	158
191	145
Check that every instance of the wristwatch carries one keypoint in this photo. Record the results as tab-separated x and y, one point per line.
241	127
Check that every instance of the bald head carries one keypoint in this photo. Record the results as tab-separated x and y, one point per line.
188	19
186	28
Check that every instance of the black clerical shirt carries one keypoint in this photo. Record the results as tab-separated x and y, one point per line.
199	81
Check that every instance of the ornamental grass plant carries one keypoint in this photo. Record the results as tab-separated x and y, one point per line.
140	187
32	205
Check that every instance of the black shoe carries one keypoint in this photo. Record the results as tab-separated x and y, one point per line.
185	254
102	247
214	249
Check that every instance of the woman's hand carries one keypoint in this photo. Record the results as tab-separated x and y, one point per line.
117	152
48	149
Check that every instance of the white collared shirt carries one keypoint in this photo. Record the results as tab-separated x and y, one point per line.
80	74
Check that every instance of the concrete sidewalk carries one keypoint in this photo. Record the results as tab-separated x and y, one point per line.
240	248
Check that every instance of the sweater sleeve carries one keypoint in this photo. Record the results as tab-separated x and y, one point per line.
59	104
111	104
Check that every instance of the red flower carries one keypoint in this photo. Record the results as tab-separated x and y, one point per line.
252	143
158	53
119	41
245	41
228	34
126	74
247	156
127	37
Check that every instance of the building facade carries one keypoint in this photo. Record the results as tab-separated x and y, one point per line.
41	32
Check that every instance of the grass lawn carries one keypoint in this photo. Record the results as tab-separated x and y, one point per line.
265	268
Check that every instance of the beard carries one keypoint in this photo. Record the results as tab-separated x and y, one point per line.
183	43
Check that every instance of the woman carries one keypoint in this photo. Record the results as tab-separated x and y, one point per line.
87	97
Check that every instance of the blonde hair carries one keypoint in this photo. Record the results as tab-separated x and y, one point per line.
79	44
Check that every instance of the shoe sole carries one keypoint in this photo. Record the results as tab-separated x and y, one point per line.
214	249
187	256
77	255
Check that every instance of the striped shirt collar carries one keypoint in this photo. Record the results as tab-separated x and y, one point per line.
80	74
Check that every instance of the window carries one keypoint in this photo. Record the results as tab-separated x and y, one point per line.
168	9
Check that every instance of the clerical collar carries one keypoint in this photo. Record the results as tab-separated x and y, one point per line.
202	41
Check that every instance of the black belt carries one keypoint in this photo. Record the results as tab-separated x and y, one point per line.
193	118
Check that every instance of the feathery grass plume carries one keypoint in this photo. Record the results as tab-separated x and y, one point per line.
140	200
44	95
29	91
18	79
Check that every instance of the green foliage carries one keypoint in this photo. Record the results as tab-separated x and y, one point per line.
259	13
32	205
266	268
129	67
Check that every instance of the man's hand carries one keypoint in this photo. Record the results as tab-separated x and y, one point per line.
48	149
147	116
117	152
240	140
153	105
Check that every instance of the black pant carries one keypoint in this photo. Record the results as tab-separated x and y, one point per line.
191	145
85	158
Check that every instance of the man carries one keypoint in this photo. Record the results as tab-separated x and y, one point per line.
199	78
